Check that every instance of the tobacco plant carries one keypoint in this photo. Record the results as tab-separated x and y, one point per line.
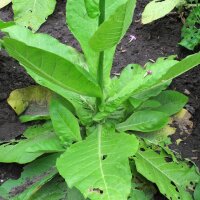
107	137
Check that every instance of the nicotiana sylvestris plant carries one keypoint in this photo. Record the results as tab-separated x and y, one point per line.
106	137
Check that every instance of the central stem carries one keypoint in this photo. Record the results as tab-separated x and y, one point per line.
101	54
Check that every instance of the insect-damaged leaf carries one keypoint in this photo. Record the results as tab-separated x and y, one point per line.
38	140
101	169
32	13
64	122
47	67
32	178
113	29
92	7
172	179
144	121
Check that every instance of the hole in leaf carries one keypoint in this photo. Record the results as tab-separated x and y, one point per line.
157	151
97	190
104	157
168	159
174	186
142	149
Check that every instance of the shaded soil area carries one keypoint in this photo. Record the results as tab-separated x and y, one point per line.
152	41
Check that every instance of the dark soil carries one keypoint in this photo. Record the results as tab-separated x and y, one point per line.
152	41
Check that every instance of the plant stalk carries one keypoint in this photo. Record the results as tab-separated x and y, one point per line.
101	55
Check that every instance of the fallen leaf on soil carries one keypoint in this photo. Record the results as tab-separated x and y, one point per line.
34	97
183	121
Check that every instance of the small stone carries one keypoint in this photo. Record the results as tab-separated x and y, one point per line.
187	92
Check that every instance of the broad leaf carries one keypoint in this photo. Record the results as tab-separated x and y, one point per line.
34	176
53	68
157	9
92	7
113	29
4	3
83	27
44	42
64	122
55	189
101	169
172	179
34	145
32	13
144	121
170	101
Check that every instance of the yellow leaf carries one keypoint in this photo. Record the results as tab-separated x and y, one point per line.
20	99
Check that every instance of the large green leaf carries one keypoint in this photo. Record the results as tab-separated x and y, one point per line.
173	179
141	82
144	121
83	27
32	178
64	122
112	30
4	3
158	9
171	102
101	169
44	42
32	13
53	68
39	140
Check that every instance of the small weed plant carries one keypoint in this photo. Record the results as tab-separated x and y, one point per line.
107	138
